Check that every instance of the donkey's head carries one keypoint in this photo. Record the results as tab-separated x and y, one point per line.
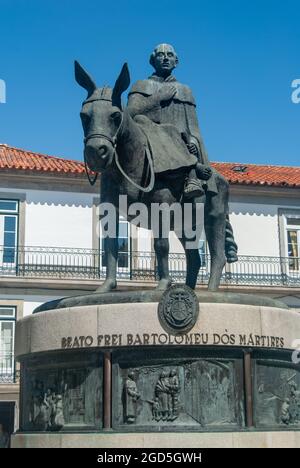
101	117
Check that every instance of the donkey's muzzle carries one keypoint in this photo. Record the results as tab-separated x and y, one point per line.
98	157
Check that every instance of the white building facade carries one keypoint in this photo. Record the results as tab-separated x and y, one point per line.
50	245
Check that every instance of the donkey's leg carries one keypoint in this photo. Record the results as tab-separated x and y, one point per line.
215	224
111	250
161	247
193	263
215	241
111	256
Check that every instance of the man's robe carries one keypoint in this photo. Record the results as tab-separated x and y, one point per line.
179	112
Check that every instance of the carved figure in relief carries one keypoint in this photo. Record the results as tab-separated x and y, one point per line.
155	408
285	414
294	402
58	415
131	395
162	393
174	390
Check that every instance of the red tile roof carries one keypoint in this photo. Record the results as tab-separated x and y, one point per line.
235	173
15	158
256	174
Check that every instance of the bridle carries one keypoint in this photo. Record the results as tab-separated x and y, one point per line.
113	141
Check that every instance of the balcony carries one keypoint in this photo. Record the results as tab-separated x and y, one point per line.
87	264
8	372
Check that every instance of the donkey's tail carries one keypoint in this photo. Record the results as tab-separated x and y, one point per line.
231	247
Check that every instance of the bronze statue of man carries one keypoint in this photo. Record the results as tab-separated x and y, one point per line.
165	101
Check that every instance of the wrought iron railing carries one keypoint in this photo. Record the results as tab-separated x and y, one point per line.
8	373
67	263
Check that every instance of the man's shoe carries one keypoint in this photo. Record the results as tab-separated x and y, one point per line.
193	188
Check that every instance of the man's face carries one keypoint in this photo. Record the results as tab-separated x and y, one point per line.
165	60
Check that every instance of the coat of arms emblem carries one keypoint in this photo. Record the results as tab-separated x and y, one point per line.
178	309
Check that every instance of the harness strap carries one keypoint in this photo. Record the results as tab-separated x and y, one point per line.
113	142
91	181
152	176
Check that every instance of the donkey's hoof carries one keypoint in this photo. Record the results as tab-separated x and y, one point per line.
107	286
163	284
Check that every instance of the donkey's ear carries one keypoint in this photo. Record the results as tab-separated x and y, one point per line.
122	83
84	79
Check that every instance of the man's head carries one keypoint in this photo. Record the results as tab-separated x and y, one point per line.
164	59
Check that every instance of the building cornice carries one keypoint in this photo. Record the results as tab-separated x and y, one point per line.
13	178
263	191
53	181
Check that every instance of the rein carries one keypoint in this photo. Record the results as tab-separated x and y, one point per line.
91	181
113	142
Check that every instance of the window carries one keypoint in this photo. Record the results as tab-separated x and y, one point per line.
203	253
123	244
293	243
9	211
7	337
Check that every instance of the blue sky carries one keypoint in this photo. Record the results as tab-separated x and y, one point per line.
239	57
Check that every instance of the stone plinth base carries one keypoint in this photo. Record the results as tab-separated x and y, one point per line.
137	325
111	375
288	439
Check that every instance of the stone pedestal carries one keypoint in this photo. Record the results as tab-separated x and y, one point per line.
110	375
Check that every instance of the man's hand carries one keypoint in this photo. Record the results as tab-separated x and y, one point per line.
192	148
203	172
166	92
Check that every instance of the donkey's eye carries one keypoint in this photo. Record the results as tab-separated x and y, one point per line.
116	116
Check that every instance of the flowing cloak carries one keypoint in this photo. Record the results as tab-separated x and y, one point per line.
162	393
174	117
168	150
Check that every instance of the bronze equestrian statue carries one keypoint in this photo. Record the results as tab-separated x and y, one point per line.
165	101
156	134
